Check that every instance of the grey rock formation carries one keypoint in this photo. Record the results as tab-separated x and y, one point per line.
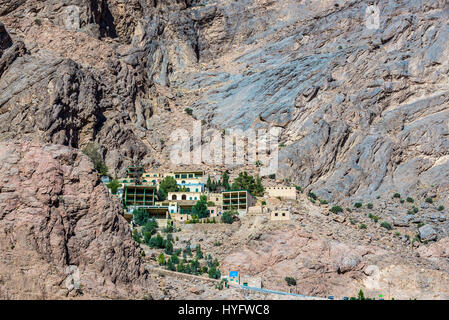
403	221
427	233
252	64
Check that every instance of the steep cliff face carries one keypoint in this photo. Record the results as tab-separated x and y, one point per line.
362	111
59	226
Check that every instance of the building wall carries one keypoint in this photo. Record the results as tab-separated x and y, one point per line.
217	198
283	192
280	215
255	210
194	196
180	217
255	282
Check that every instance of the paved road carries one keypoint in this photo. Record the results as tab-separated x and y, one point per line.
280	292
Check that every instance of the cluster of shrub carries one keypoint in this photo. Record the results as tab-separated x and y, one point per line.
190	265
411	200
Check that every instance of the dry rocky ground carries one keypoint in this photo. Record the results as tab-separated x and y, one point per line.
363	114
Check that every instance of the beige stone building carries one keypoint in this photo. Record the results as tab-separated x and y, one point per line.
280	215
255	210
282	192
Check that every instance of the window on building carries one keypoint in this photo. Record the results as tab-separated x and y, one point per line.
283	214
176	176
173	197
190	198
183	181
276	214
184	197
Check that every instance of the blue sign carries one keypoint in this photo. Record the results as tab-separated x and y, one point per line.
233	274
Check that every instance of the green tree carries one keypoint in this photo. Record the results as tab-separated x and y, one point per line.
290	281
140	217
91	150
171	264
361	295
194	266
168	247
225	180
175	258
187	250
113	185
168	184
161	259
137	236
228	217
200	208
157	242
258	188
211	185
199	253
214	273
244	182
150	226
180	267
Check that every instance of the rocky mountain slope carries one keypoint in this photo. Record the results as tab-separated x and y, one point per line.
363	114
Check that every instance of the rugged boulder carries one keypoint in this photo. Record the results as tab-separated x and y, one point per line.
427	233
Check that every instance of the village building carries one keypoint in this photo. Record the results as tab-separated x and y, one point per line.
215	197
255	210
282	192
238	200
175	196
139	191
191	181
249	281
280	215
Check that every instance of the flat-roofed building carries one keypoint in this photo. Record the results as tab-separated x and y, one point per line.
280	215
239	200
215	197
138	195
190	180
249	281
152	177
255	210
179	195
180	217
214	211
282	192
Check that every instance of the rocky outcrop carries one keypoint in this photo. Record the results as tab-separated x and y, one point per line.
61	232
427	233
